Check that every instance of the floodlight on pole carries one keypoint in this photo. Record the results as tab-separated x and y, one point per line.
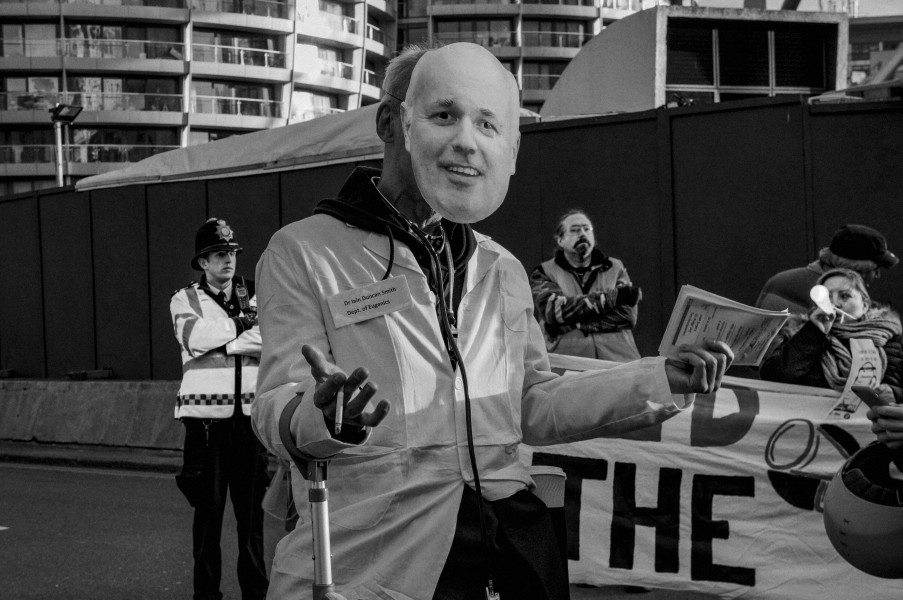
61	115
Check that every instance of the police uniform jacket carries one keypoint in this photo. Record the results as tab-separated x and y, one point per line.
218	354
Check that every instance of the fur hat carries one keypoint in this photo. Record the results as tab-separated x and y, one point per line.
858	242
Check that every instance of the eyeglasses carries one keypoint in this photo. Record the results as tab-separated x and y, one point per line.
577	229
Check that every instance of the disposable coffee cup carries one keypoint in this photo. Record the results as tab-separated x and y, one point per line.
549	483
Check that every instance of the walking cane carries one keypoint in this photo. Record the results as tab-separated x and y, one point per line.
318	496
313	471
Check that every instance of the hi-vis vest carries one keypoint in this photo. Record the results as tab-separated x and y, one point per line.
210	343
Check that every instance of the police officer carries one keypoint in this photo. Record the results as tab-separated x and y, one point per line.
215	324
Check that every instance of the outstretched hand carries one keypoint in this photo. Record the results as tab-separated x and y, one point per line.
330	379
699	369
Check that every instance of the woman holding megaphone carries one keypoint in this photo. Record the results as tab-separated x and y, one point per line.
815	349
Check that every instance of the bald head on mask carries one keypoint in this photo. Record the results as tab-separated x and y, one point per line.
461	126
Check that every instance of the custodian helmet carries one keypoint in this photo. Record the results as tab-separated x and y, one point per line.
864	512
213	235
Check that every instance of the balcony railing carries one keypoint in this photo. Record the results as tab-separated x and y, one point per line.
91	48
622	4
341	23
154	3
564	2
453	2
31	48
306	113
218	105
16	101
138	49
232	55
555	39
260	8
535	81
22	154
113	153
375	33
336	69
371	78
489	40
18	154
125	101
28	100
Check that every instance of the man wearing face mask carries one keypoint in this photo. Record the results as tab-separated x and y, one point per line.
584	299
388	280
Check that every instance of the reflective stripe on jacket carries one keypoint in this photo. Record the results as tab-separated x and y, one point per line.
394	498
608	336
209	341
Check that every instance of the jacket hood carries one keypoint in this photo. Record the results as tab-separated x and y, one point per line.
360	204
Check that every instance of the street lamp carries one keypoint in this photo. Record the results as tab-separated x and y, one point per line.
61	114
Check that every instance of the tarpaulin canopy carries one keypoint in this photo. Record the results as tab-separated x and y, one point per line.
335	138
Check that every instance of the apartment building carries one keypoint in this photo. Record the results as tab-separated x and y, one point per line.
152	75
535	39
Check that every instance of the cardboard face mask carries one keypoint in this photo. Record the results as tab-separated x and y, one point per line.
460	132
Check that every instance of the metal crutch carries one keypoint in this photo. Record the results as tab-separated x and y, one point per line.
313	471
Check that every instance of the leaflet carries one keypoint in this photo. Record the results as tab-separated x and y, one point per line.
699	315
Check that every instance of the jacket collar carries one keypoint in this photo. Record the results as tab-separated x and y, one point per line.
597	261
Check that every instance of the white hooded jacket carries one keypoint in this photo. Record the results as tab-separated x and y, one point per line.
394	497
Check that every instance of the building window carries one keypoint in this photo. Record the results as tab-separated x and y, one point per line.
718	61
236	48
125	93
555	34
234	98
29	93
27	146
491	33
202	136
33	40
115	145
542	75
310	105
413	34
89	40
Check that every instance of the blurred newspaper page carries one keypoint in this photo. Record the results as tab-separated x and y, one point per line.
699	315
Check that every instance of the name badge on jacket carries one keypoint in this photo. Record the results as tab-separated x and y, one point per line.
370	301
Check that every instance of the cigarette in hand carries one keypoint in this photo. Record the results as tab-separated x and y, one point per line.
339	409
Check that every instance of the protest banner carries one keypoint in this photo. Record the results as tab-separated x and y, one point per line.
724	498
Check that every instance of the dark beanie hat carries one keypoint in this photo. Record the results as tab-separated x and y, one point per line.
858	242
213	235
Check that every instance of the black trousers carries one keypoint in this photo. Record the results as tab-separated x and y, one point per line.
525	556
224	455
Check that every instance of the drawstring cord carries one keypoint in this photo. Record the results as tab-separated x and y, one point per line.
391	253
451	334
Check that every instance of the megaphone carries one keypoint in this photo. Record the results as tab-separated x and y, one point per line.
863	512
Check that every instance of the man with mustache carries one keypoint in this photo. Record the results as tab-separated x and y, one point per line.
428	497
584	299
